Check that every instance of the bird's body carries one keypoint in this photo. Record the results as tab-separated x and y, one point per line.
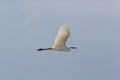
60	40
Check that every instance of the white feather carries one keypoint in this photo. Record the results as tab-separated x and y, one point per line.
62	36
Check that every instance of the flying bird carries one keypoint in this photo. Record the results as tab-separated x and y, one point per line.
60	40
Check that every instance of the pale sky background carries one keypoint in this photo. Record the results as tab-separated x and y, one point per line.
26	25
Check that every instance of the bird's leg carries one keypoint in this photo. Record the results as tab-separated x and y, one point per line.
41	49
73	47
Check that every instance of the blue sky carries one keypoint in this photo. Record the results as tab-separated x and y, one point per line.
27	25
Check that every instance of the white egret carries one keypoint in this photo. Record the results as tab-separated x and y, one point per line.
60	40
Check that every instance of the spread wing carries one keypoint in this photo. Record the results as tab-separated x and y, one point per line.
62	36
